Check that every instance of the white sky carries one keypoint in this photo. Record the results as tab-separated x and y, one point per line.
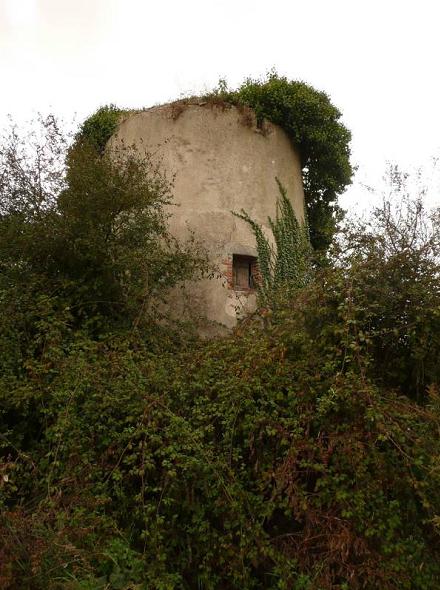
378	61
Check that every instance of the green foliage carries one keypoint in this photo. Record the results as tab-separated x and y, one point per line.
99	127
268	460
287	265
288	455
300	454
94	234
313	124
390	266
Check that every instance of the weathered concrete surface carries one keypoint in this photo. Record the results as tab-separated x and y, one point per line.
221	163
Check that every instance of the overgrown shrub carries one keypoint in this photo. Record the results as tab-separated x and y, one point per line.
272	459
90	231
299	453
390	267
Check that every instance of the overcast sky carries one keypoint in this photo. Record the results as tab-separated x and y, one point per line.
378	61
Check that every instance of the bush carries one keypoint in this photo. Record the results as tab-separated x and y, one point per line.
300	452
90	233
99	127
270	459
390	268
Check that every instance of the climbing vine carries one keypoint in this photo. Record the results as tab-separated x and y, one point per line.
287	263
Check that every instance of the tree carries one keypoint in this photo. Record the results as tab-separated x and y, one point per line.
314	126
85	233
390	266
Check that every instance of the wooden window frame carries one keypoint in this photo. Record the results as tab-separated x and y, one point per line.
248	264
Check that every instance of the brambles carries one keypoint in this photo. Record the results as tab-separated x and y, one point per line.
270	459
301	454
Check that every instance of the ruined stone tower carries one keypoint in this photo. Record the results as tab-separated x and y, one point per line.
222	162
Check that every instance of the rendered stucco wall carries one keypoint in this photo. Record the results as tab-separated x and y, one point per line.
222	163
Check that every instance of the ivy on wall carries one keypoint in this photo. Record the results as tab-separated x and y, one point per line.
286	266
312	123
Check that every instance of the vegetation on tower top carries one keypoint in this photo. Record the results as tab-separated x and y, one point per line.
312	123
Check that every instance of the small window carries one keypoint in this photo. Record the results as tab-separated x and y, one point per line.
243	272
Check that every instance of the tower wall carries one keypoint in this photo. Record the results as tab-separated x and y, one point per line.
221	162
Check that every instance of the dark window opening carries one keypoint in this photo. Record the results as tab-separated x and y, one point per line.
244	271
